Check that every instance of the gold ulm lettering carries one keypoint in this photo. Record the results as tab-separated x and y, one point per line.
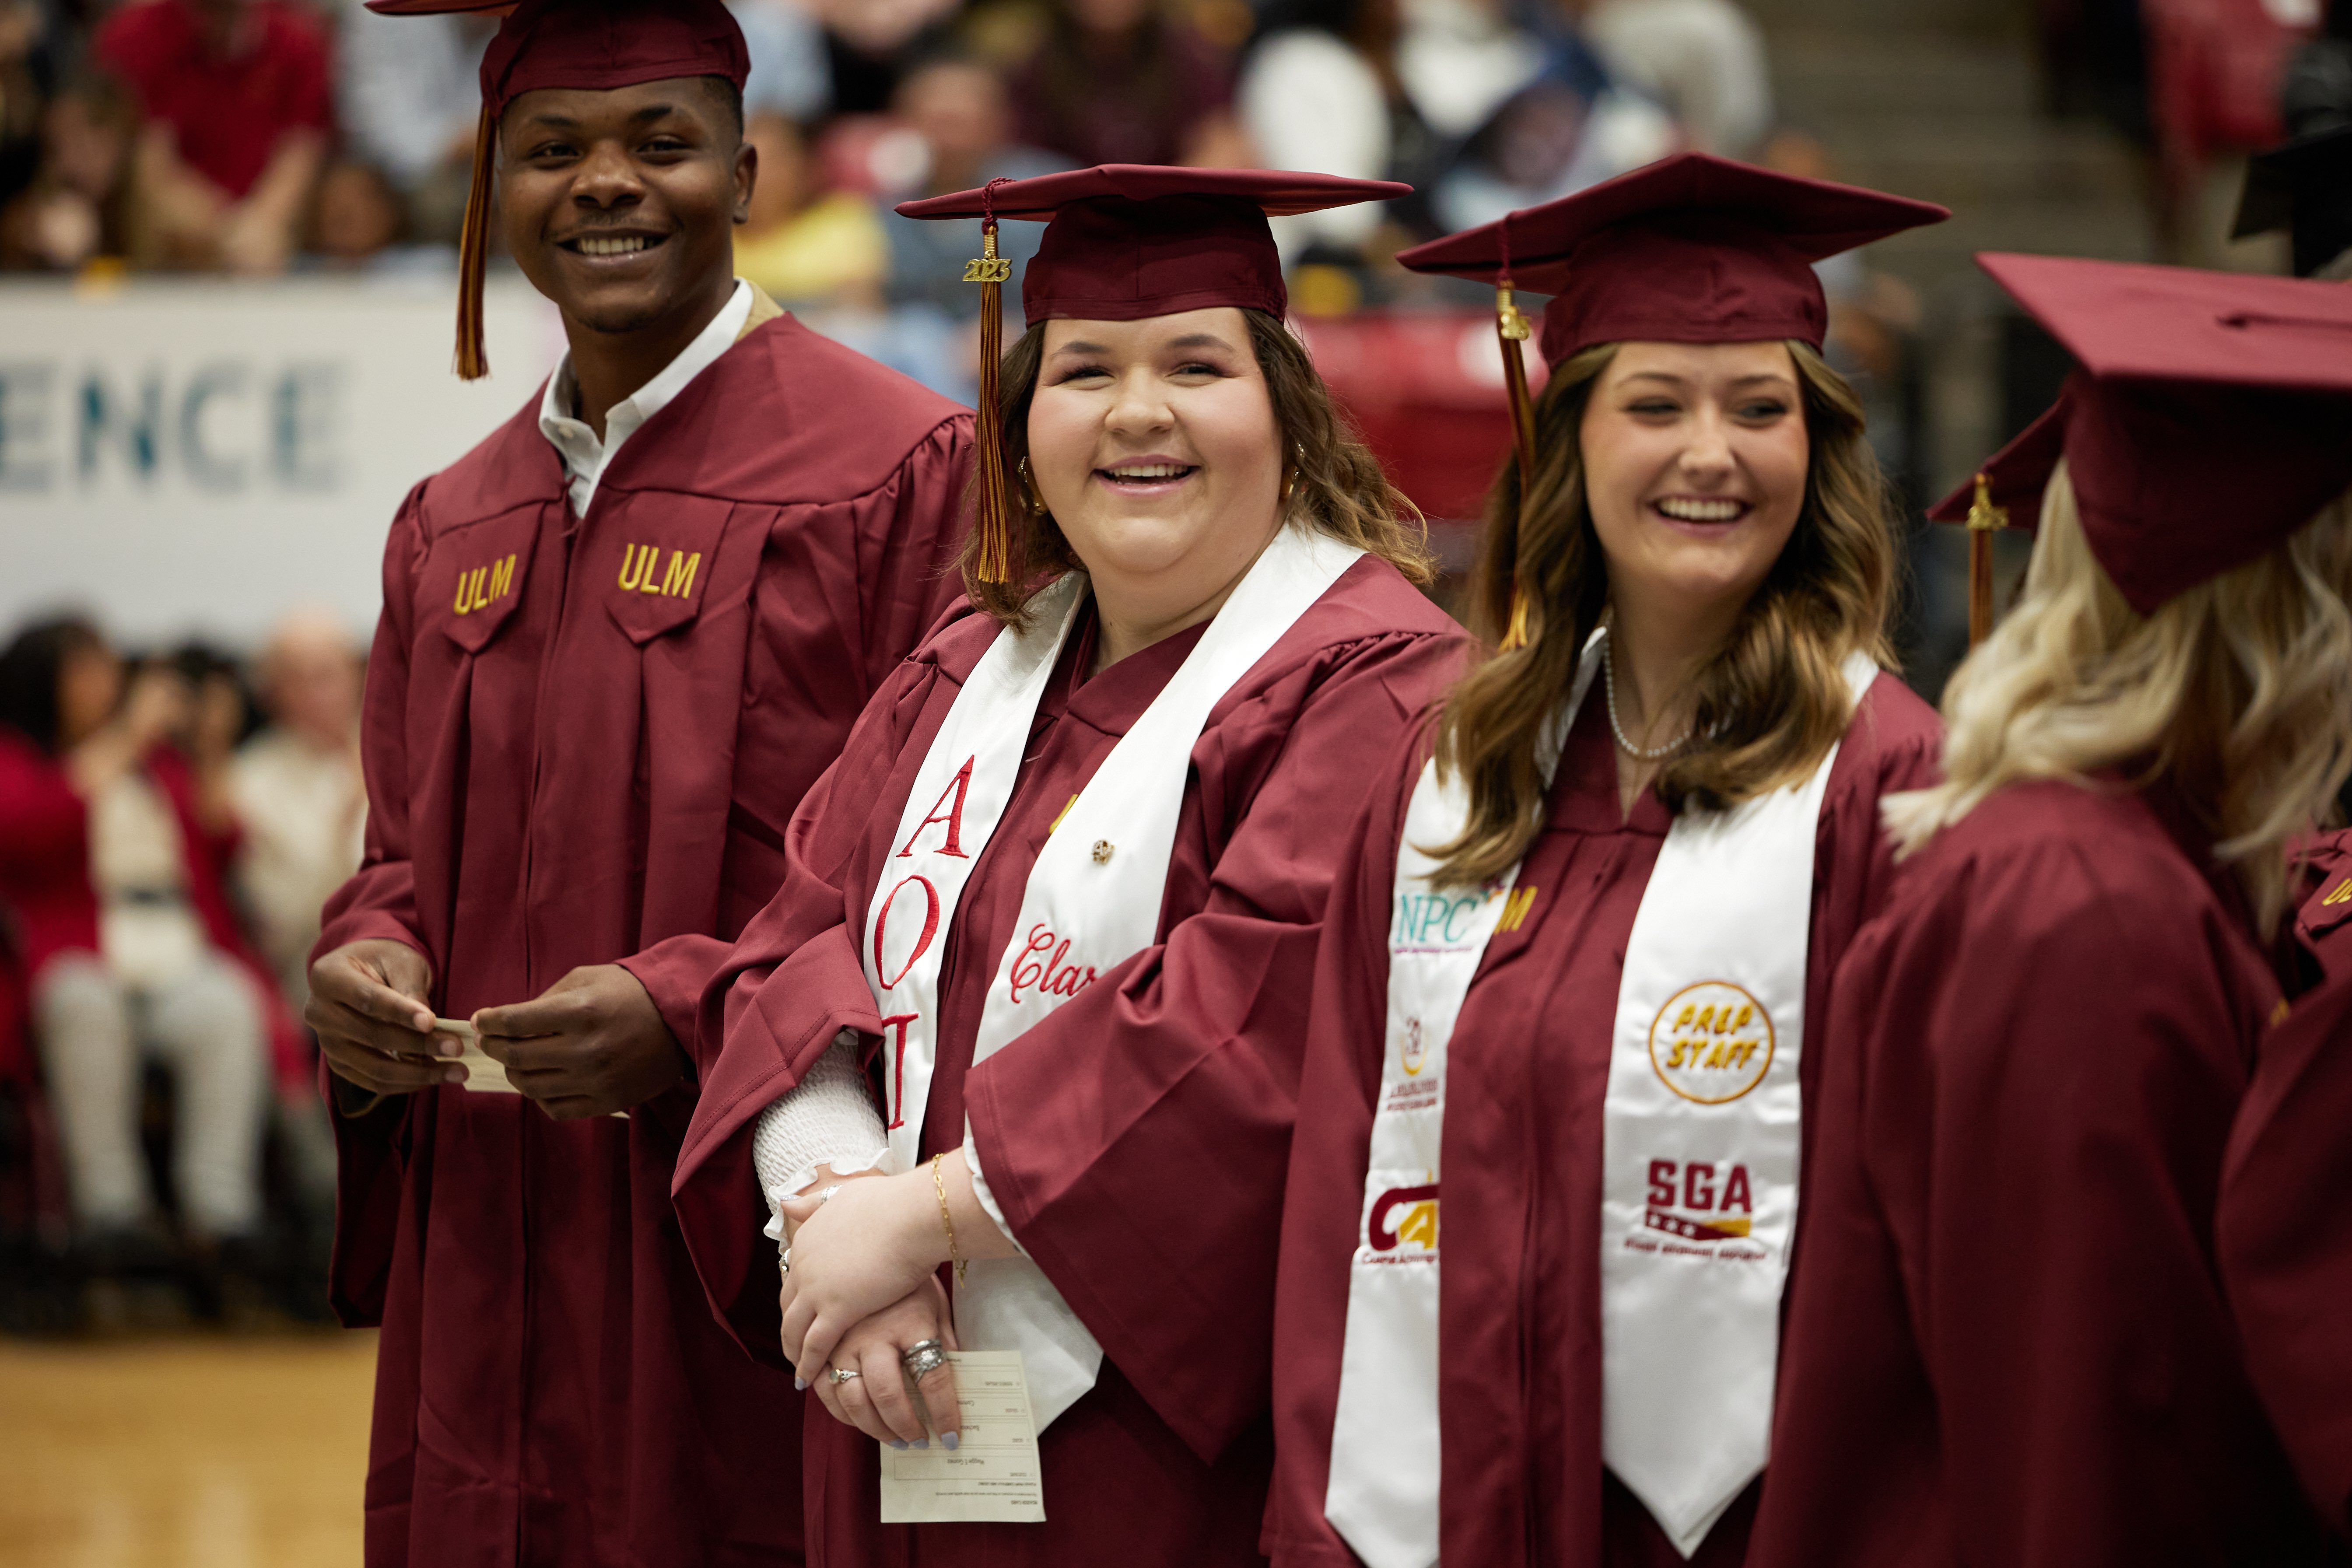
484	585
641	572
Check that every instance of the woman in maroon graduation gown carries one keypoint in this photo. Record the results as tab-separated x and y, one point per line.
2283	1234
1567	980
1068	878
2007	1339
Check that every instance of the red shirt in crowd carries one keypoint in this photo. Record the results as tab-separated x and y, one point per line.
229	110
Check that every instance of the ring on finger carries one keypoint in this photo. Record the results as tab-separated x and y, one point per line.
924	1359
822	1193
784	1261
842	1374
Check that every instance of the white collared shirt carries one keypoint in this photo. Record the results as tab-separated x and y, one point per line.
585	456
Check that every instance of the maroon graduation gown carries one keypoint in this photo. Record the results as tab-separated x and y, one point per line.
2284	1230
2323	921
581	744
2006	1339
1136	1138
1527	1069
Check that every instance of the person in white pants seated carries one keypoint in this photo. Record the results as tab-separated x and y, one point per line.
146	977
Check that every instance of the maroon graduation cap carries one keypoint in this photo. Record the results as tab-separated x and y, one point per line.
2211	419
596	44
1124	242
1690	249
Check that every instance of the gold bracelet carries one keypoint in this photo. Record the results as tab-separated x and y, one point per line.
946	1224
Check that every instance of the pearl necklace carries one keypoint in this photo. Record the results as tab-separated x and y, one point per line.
1609	678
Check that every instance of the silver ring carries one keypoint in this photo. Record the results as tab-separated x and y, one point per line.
922	1360
918	1348
822	1193
840	1376
784	1261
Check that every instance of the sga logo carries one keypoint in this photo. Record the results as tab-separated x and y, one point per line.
1699	1188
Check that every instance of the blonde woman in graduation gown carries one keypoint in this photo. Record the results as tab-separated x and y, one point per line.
2010	1336
1030	1002
1563	1046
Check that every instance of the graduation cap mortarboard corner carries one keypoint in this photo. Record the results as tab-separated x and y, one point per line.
2211	419
1690	249
1124	242
596	45
2304	186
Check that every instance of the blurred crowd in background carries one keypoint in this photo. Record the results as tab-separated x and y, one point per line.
171	819
256	136
260	136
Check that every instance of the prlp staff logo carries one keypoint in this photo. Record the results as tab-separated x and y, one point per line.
1712	1042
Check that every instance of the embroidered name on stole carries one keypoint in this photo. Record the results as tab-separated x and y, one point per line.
1092	897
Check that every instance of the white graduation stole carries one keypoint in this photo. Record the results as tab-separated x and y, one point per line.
1699	1163
1092	899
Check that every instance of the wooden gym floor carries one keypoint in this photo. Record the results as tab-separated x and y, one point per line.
187	1452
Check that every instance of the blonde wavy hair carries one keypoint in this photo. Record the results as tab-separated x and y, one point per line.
2239	689
1772	700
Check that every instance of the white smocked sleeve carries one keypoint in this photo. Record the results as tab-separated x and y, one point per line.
827	1119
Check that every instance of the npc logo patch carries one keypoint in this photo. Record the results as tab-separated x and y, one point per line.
1711	1043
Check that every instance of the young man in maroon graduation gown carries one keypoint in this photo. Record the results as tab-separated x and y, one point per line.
619	639
1684	300
2008	1338
1135	1138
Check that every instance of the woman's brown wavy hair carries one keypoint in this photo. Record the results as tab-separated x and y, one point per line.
1338	483
1770	703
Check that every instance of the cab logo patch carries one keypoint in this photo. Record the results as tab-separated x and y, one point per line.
1402	1224
484	585
1711	1043
643	571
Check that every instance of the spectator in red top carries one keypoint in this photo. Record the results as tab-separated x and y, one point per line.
238	96
113	846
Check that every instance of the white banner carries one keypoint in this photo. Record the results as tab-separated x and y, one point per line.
196	458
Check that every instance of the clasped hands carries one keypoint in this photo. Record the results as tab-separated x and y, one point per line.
592	1044
861	1289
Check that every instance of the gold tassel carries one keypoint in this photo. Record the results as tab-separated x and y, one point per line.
1516	636
990	270
1985	519
474	254
1510	332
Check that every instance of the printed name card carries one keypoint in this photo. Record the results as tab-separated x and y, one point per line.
484	1073
993	1475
